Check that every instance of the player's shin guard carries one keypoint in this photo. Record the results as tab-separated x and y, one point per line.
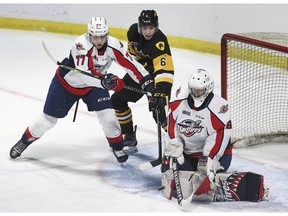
124	117
113	133
168	183
35	130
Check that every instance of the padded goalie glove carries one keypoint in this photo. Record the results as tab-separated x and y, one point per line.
112	82
174	149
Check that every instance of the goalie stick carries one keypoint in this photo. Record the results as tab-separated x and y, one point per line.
177	181
157	161
99	76
182	202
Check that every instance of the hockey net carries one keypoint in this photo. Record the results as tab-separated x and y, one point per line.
254	80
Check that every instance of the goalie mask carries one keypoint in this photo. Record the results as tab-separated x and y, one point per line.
200	85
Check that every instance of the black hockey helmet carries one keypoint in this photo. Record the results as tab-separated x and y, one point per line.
148	18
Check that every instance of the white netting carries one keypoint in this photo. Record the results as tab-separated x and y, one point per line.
257	87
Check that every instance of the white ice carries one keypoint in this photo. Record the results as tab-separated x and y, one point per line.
70	169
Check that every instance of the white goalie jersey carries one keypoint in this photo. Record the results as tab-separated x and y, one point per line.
206	129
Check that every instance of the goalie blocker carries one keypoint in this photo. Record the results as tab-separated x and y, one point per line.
229	186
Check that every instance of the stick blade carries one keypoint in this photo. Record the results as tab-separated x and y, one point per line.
151	164
145	166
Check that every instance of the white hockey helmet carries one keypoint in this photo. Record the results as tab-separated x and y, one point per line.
200	85
98	26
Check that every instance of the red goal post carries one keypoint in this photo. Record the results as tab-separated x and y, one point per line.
254	80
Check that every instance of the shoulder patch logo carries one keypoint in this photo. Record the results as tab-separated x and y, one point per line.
223	109
79	46
160	45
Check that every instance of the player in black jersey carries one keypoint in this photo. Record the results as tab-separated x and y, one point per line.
150	47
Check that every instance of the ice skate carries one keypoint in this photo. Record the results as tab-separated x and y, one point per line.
121	156
130	142
17	149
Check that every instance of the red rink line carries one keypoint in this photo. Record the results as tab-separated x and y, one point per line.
149	131
33	98
20	94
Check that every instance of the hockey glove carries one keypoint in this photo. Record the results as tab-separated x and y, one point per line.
158	99
147	84
112	82
174	149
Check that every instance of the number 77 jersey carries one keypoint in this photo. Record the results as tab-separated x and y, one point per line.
85	56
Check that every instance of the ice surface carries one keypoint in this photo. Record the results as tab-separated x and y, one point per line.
70	169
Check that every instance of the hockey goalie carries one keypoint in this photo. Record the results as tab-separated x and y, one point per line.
199	151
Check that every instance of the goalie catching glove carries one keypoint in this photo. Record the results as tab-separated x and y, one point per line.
174	149
112	82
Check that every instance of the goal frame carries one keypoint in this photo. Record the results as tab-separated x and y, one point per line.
251	41
224	93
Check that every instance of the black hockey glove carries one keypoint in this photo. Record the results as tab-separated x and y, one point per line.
112	82
160	96
158	100
147	84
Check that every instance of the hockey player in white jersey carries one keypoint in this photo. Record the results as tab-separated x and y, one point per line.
201	121
200	129
92	52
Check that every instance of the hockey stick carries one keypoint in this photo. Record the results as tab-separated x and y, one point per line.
158	161
181	201
76	109
131	88
177	181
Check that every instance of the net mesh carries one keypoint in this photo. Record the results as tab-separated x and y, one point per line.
257	87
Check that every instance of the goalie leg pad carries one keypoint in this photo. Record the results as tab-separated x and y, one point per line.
185	178
239	186
168	183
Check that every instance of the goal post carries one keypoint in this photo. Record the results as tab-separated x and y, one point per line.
254	80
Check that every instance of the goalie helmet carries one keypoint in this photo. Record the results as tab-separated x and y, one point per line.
148	18
98	26
200	85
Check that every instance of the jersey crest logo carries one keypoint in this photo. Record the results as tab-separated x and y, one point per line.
223	109
79	46
160	45
189	127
